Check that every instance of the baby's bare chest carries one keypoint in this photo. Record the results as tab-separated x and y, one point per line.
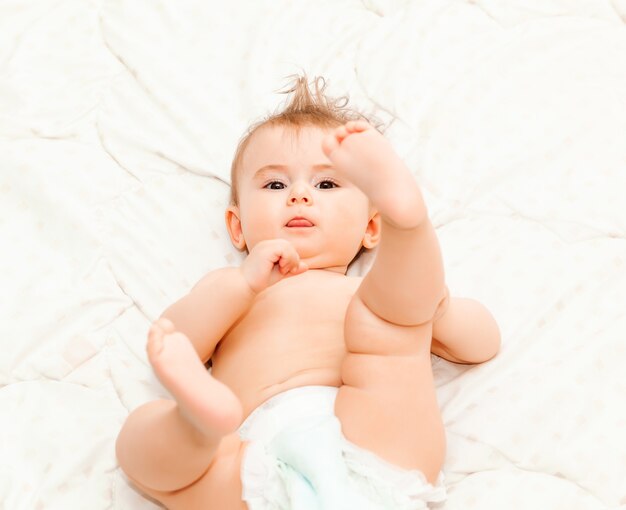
293	334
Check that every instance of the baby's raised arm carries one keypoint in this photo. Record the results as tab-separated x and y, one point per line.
210	308
217	301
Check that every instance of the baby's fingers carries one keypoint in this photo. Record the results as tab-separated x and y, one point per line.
288	260
299	269
295	269
290	264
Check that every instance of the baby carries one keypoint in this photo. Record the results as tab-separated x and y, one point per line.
321	391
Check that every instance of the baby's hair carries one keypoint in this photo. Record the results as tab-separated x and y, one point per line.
306	108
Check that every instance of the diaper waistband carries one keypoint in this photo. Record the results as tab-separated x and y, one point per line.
285	408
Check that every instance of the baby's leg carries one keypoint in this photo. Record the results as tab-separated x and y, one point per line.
387	403
166	445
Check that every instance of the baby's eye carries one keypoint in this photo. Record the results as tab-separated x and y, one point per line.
327	184
274	185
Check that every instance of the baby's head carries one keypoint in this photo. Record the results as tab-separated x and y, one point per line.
280	172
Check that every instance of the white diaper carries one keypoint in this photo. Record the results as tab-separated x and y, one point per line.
298	459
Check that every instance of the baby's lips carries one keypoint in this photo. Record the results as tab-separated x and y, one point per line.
299	222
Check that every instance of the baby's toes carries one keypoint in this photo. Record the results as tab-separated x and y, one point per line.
341	132
329	144
356	126
166	325
154	347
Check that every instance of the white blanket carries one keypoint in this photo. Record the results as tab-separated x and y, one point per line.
118	123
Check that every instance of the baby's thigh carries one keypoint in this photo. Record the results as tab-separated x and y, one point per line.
219	488
387	403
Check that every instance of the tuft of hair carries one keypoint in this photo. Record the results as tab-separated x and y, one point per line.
306	108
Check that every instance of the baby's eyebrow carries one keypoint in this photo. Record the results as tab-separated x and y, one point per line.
318	167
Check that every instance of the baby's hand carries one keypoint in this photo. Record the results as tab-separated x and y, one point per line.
269	262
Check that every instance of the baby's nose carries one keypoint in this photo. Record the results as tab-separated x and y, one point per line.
300	194
299	198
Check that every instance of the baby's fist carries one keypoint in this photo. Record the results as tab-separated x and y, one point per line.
269	262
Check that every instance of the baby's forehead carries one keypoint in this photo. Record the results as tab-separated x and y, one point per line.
280	133
270	144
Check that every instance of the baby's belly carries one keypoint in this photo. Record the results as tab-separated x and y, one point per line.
256	382
313	377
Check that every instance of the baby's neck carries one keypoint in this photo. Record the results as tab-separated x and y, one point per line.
334	269
339	269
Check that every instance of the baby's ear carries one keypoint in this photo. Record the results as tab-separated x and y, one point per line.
233	225
372	232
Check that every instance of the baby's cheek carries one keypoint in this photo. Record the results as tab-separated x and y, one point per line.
355	211
351	228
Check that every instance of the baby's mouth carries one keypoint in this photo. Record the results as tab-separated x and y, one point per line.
299	222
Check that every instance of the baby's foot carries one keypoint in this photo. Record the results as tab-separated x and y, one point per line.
207	403
369	161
